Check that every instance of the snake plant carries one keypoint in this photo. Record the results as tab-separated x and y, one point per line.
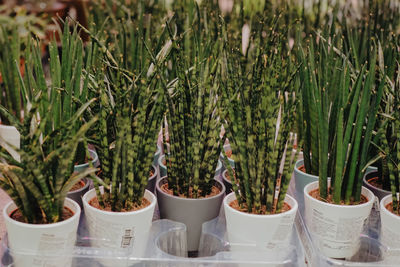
386	140
131	109
10	55
259	103
39	183
339	103
193	108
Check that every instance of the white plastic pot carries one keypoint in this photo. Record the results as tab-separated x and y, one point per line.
301	179
10	138
40	245
390	225
335	229
252	231
124	231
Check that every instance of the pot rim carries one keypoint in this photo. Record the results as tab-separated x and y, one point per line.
224	176
369	202
160	163
76	209
8	127
288	212
296	170
158	189
155	172
86	204
95	158
365	180
383	207
82	188
158	152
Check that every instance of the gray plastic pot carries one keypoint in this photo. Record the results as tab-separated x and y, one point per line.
380	193
78	194
162	168
151	184
192	212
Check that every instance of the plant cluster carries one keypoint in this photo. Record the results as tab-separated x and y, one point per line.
259	100
193	107
130	111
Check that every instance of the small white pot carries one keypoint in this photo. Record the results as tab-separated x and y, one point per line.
10	136
301	179
252	231
125	231
390	225
336	228
40	245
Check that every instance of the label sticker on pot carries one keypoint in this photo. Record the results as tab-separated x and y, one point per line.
339	229
54	251
110	234
128	238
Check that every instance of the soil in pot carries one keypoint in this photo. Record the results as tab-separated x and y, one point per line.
94	202
80	184
235	205
375	184
315	194
214	191
302	168
17	215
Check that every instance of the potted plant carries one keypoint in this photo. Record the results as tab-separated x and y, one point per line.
383	147
390	148
64	89
259	101
130	114
38	185
10	92
189	193
340	141
70	70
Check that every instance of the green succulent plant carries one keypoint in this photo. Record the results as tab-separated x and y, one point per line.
339	107
130	112
39	183
386	140
193	109
259	104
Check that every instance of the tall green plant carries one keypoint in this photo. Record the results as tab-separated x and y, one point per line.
193	106
340	104
259	103
386	140
10	56
39	183
131	108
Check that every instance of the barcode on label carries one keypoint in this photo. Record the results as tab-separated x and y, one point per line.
127	238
